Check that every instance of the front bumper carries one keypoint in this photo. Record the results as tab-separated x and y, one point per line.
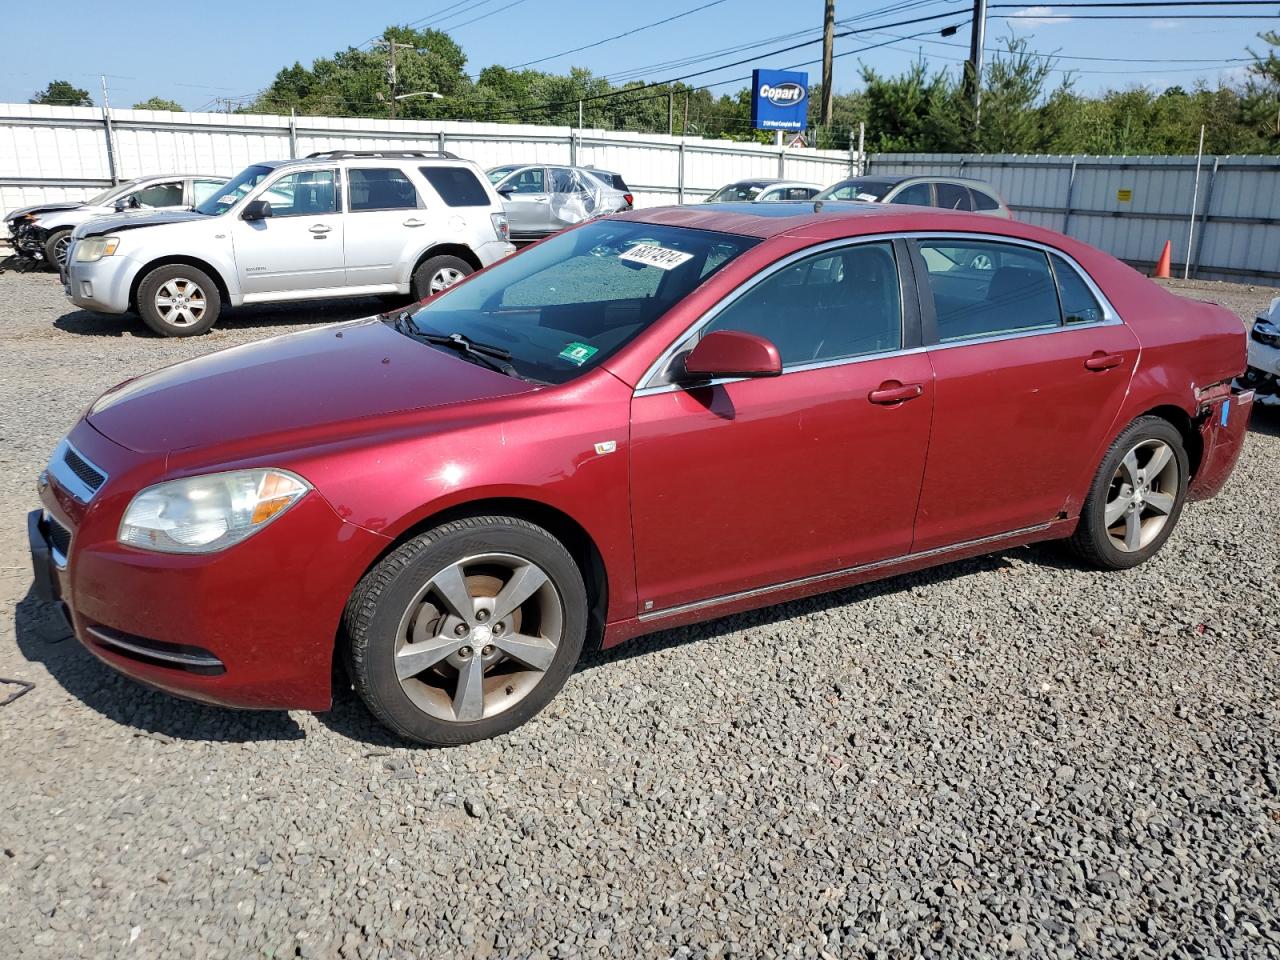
252	626
102	286
27	240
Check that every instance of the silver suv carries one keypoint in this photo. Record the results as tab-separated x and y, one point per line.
41	233
336	224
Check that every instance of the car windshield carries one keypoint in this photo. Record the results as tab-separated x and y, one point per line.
737	191
497	173
106	196
860	188
571	302
220	201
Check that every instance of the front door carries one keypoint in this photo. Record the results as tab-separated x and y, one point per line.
298	247
526	199
752	483
1031	371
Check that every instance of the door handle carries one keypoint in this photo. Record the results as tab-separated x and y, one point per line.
1103	361
540	199
894	391
414	222
320	229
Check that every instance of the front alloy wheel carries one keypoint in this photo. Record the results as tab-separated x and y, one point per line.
466	631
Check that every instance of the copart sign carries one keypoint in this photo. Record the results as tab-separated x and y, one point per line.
780	100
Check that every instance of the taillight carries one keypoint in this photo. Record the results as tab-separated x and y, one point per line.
630	199
500	225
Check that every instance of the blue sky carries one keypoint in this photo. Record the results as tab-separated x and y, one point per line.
194	53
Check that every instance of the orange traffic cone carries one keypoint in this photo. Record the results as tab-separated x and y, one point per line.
1162	265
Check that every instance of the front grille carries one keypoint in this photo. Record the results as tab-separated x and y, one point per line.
59	537
89	475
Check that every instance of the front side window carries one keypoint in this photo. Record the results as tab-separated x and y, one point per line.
161	195
306	193
917	194
529	180
457	186
983	288
220	201
829	306
800	193
571	302
380	188
497	174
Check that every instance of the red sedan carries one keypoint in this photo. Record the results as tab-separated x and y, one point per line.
645	421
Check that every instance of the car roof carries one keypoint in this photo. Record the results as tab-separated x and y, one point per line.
837	218
897	179
179	176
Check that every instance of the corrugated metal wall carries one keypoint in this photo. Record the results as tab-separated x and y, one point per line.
1129	206
55	153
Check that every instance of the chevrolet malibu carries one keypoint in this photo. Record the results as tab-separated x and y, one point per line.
648	420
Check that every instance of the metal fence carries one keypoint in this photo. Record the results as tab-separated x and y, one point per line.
69	153
1129	206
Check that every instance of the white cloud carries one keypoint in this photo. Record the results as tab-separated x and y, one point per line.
1036	17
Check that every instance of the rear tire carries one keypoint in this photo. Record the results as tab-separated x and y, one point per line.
55	248
436	274
1136	498
179	301
467	631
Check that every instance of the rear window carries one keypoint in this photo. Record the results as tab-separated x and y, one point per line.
611	179
984	201
457	186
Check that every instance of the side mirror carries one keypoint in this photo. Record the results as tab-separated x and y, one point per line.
256	210
506	192
130	202
731	353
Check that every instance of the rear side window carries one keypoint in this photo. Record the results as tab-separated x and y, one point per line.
799	193
381	188
457	186
953	196
1079	305
984	201
983	289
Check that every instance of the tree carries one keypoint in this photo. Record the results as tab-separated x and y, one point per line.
61	93
158	103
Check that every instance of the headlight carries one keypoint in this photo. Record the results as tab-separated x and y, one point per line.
209	513
1266	333
92	249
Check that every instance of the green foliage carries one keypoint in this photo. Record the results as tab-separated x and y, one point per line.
61	93
158	103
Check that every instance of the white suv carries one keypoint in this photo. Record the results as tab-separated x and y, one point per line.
338	224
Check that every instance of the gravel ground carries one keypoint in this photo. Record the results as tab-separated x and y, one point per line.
1006	756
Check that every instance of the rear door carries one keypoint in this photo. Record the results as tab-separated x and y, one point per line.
384	222
748	484
1031	368
299	247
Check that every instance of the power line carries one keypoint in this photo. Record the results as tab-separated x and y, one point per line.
618	36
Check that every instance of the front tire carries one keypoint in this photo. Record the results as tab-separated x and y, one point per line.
466	631
55	248
1136	498
436	274
179	301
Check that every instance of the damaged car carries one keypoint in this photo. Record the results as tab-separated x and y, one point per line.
41	233
542	200
1263	374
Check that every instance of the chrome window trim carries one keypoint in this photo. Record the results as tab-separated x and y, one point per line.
59	470
717	308
837	574
1109	315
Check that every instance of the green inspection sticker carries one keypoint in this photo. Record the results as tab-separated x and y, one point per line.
578	353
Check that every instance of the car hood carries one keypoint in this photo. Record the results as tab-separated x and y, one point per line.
308	387
41	208
116	222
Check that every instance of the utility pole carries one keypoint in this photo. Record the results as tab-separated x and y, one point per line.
684	127
828	39
671	112
973	71
392	46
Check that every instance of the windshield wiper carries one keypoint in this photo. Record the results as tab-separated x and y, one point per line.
485	354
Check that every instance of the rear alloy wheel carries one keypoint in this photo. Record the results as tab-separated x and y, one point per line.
437	274
466	632
1136	497
178	301
55	248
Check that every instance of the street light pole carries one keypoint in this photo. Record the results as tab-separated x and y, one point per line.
973	75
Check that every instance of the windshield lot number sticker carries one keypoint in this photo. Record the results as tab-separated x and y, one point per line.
579	353
653	256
